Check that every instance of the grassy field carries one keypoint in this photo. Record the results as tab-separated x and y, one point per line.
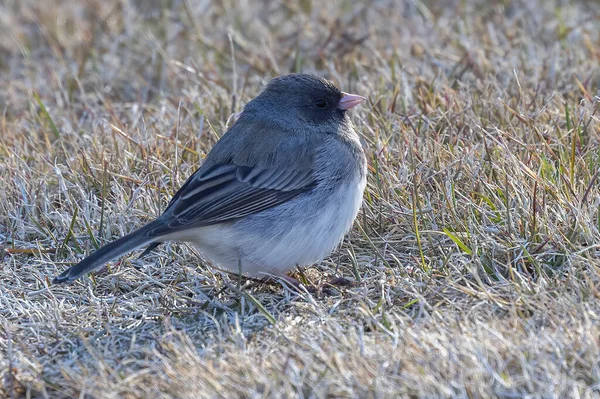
475	256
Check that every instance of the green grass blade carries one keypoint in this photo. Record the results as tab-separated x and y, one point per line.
47	116
458	241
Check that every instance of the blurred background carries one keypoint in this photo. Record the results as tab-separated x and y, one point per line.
81	53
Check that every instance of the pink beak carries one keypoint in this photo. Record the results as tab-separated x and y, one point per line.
350	100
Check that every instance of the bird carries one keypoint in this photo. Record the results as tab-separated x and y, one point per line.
280	189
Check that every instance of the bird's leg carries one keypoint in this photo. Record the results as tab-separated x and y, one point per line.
273	280
296	283
341	282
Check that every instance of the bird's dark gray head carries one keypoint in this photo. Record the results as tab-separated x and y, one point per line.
306	99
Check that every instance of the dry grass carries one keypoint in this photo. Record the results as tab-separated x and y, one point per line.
476	255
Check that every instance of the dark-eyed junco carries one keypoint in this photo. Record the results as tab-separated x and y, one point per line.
279	189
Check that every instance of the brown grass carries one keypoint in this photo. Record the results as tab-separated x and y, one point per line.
476	255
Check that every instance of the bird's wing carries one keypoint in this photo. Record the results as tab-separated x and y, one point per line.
225	192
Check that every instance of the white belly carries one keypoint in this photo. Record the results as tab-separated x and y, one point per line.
275	241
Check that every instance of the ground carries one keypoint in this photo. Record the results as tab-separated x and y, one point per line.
475	258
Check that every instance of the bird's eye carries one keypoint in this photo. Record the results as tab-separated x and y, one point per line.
321	103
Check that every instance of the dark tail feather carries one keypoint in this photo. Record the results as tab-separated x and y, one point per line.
150	248
107	253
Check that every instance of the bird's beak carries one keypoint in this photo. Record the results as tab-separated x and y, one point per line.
350	100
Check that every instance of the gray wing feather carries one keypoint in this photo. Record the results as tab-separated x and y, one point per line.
227	192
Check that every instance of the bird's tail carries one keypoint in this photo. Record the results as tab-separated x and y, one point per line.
110	251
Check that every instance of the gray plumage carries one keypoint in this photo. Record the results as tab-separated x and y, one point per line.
279	189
